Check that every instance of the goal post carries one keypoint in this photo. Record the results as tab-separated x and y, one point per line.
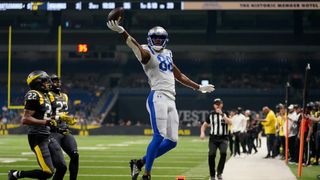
10	59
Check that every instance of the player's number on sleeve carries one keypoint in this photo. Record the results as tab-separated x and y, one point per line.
165	63
32	96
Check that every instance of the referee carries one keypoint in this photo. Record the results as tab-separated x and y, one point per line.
218	121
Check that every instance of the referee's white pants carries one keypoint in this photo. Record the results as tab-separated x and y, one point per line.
163	115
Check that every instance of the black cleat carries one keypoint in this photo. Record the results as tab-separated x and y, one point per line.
146	177
135	170
268	156
11	176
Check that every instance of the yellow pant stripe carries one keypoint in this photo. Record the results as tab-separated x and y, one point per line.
42	163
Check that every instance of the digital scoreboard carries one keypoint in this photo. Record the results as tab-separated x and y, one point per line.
79	6
160	5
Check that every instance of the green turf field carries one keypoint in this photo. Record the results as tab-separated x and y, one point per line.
308	173
107	157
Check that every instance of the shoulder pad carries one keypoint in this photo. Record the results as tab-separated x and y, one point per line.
33	95
51	96
167	51
144	46
65	96
170	52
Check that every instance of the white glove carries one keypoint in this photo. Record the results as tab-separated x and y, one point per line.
206	88
114	26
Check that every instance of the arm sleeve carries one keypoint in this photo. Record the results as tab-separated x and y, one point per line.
208	118
31	105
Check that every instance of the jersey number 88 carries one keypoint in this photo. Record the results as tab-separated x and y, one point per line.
165	63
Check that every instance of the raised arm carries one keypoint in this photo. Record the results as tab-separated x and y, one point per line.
142	55
183	79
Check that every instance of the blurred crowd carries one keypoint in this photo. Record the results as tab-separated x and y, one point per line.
248	127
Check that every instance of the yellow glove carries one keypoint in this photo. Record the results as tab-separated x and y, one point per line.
64	131
71	120
51	123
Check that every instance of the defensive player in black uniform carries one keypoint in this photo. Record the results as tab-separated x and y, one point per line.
37	115
59	102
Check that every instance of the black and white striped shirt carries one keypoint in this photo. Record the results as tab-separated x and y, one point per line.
218	126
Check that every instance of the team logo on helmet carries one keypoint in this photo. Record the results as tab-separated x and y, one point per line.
157	38
39	80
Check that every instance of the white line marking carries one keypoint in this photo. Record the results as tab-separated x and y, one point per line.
27	153
118	161
119	156
118	145
100	167
123	175
12	160
93	148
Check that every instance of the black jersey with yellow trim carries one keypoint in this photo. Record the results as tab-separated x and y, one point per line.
59	103
39	103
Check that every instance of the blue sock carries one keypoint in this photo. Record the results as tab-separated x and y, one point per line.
165	146
152	151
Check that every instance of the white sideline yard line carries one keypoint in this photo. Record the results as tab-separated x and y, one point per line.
101	167
130	156
89	155
110	150
116	156
122	175
119	161
99	153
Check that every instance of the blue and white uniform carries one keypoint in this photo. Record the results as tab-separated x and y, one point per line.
161	101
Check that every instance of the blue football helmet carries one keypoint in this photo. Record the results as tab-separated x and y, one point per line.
157	38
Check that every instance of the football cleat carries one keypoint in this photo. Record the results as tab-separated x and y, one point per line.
135	170
11	176
146	177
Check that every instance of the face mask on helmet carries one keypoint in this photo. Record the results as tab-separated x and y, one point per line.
56	83
157	38
47	84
